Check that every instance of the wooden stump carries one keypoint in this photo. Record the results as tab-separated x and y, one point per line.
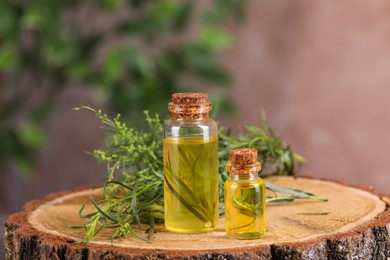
353	224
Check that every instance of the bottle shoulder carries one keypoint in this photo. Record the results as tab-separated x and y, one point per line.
243	182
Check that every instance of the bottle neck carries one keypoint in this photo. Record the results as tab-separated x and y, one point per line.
244	176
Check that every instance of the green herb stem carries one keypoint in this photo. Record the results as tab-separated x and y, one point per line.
133	191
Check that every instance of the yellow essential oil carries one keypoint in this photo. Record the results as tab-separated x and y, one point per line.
191	185
244	195
190	165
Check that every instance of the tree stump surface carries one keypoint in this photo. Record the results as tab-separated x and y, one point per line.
353	224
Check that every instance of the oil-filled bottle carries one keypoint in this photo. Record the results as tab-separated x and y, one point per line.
244	196
190	165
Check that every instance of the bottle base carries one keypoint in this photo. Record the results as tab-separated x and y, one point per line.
246	235
187	230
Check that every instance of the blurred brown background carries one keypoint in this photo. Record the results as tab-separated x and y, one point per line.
320	69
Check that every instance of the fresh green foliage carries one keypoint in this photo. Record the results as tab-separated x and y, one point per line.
132	53
291	194
277	158
133	192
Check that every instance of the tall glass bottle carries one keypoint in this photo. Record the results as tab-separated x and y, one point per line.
244	196
190	165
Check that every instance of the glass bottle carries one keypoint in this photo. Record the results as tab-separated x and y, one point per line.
244	196
190	165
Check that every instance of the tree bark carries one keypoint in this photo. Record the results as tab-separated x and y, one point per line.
353	224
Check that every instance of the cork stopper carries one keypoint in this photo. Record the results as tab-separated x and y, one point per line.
243	161
189	106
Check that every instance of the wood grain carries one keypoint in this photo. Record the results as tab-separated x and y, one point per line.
353	223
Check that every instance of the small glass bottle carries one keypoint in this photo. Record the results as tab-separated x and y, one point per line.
190	165
244	196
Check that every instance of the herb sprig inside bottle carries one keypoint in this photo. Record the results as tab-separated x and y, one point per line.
244	196
129	206
190	165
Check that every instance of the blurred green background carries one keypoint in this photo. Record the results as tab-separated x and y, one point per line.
126	55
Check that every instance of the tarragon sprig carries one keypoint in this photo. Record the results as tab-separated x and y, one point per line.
133	192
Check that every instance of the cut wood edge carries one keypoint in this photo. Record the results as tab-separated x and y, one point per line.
37	224
368	241
26	242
